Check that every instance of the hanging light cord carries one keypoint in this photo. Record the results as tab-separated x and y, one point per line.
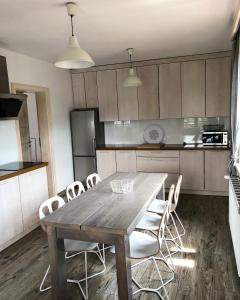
72	24
130	60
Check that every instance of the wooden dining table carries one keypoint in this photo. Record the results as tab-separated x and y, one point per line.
99	215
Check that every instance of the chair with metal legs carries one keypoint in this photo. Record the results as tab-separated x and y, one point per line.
46	208
92	180
145	247
74	189
157	206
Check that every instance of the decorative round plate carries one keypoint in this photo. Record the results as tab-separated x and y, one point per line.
153	134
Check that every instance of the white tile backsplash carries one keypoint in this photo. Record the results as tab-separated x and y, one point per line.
176	131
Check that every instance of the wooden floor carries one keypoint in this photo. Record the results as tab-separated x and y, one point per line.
209	273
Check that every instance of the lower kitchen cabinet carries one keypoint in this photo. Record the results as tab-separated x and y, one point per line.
106	163
11	223
21	197
33	190
216	165
126	161
192	169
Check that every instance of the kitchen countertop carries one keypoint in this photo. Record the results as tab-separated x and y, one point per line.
160	147
17	168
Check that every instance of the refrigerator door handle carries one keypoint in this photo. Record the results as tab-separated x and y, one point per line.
95	163
94	145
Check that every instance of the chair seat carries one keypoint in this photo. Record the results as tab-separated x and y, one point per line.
142	245
157	206
76	246
150	221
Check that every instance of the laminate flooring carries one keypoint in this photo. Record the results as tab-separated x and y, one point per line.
206	270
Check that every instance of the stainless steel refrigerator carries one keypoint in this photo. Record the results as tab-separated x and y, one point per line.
87	133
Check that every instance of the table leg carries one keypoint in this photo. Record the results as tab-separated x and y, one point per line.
57	264
123	265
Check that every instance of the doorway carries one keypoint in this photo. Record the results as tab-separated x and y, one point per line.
35	125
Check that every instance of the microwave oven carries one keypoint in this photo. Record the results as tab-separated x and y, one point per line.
215	138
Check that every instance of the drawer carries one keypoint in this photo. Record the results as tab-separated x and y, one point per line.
157	153
158	165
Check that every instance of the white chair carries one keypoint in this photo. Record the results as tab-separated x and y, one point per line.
74	189
46	208
158	206
145	247
92	180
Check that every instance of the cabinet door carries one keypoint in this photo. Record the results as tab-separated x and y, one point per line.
10	213
78	85
107	95
148	93
33	191
126	161
218	78
192	169
170	91
193	88
106	163
216	164
91	89
127	98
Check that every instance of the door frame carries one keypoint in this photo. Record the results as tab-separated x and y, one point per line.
45	128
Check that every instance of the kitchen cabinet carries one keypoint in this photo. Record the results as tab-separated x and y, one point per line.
160	161
91	90
193	88
106	163
218	79
33	191
148	93
10	213
192	169
126	161
216	165
79	96
127	97
107	95
170	91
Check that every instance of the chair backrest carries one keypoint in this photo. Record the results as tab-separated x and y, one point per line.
92	180
47	205
74	189
176	193
165	215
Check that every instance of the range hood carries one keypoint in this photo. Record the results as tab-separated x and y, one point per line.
10	104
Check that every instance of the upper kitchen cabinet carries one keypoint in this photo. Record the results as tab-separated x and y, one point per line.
107	95
148	93
170	91
79	96
127	97
193	88
91	89
218	80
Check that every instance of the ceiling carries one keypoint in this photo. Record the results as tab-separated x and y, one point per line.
105	28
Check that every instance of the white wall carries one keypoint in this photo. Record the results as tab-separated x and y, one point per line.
8	142
26	70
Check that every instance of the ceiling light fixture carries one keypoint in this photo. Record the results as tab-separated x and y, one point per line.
74	57
132	80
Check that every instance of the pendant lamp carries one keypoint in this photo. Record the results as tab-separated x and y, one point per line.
73	57
132	80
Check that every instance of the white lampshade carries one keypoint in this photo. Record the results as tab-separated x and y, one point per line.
132	80
74	57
